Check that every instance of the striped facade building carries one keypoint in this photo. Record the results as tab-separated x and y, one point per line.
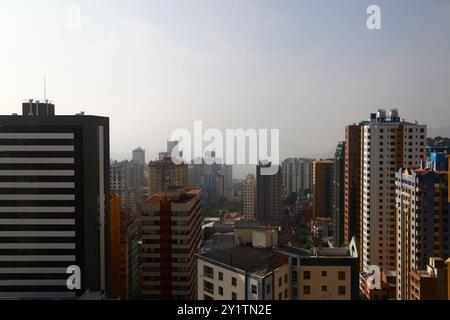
54	199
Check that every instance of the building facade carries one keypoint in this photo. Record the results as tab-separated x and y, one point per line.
430	283
323	173
164	173
268	195
297	175
54	203
322	274
249	195
422	222
171	226
353	185
388	145
338	197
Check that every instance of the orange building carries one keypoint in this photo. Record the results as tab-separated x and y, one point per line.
114	231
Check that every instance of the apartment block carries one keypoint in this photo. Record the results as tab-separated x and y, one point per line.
249	195
337	214
54	203
244	272
353	185
269	205
322	273
389	144
130	266
164	174
430	283
422	222
297	175
171	226
323	173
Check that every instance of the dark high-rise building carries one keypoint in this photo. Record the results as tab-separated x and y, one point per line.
338	198
352	184
54	200
323	173
138	167
268	195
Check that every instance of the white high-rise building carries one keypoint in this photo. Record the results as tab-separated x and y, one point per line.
388	144
250	197
297	175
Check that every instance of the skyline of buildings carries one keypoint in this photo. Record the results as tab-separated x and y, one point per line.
382	200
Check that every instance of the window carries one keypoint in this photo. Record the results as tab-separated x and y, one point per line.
324	288
220	291
220	276
280	296
306	289
254	289
294	276
268	289
324	273
234	282
342	290
286	294
206	297
233	296
341	275
208	287
208	272
285	278
306	275
280	282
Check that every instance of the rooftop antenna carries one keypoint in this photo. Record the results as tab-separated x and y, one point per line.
45	90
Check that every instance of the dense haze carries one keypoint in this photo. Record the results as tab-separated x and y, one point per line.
304	67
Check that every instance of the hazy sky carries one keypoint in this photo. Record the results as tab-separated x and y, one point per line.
305	67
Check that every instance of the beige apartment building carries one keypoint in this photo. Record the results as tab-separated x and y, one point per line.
164	173
244	272
322	273
249	209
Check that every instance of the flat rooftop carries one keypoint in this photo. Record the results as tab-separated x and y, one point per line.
258	262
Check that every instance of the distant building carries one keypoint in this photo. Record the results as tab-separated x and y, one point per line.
164	173
423	222
431	283
338	196
322	273
171	226
323	173
268	195
297	175
213	186
139	162
249	195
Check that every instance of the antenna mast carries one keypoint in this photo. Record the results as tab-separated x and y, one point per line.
45	90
